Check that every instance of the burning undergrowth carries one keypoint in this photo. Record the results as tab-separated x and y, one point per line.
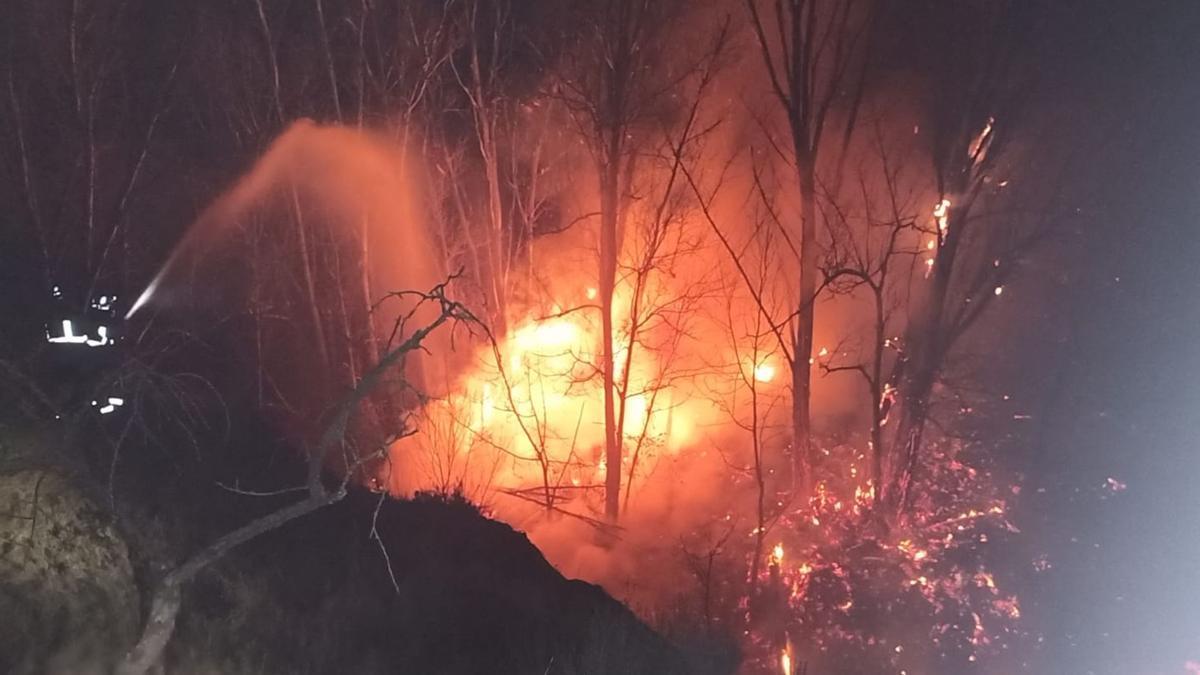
846	592
718	534
715	538
645	429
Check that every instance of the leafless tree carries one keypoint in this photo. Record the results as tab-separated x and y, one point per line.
480	83
617	82
976	103
812	52
80	135
167	597
872	247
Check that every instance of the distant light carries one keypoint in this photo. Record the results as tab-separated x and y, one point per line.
113	403
999	290
102	331
68	336
105	303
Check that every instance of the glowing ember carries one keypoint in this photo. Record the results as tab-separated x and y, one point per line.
777	555
941	215
978	148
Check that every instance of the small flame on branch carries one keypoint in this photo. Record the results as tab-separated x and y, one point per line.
941	215
777	555
979	146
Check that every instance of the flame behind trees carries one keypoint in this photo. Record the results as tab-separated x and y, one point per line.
660	374
812	52
620	86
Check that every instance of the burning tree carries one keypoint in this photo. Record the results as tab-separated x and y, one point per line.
730	238
615	85
975	237
885	521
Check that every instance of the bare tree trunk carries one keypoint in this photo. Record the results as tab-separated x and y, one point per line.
807	50
305	252
306	263
802	456
333	83
484	108
927	342
164	608
609	205
760	484
877	394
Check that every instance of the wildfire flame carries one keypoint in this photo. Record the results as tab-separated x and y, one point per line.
764	371
777	555
941	215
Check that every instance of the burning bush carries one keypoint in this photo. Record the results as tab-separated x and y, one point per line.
855	590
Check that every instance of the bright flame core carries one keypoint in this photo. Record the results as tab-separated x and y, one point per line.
764	372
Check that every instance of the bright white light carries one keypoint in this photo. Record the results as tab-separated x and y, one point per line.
941	215
68	336
114	402
764	372
102	331
144	297
105	303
